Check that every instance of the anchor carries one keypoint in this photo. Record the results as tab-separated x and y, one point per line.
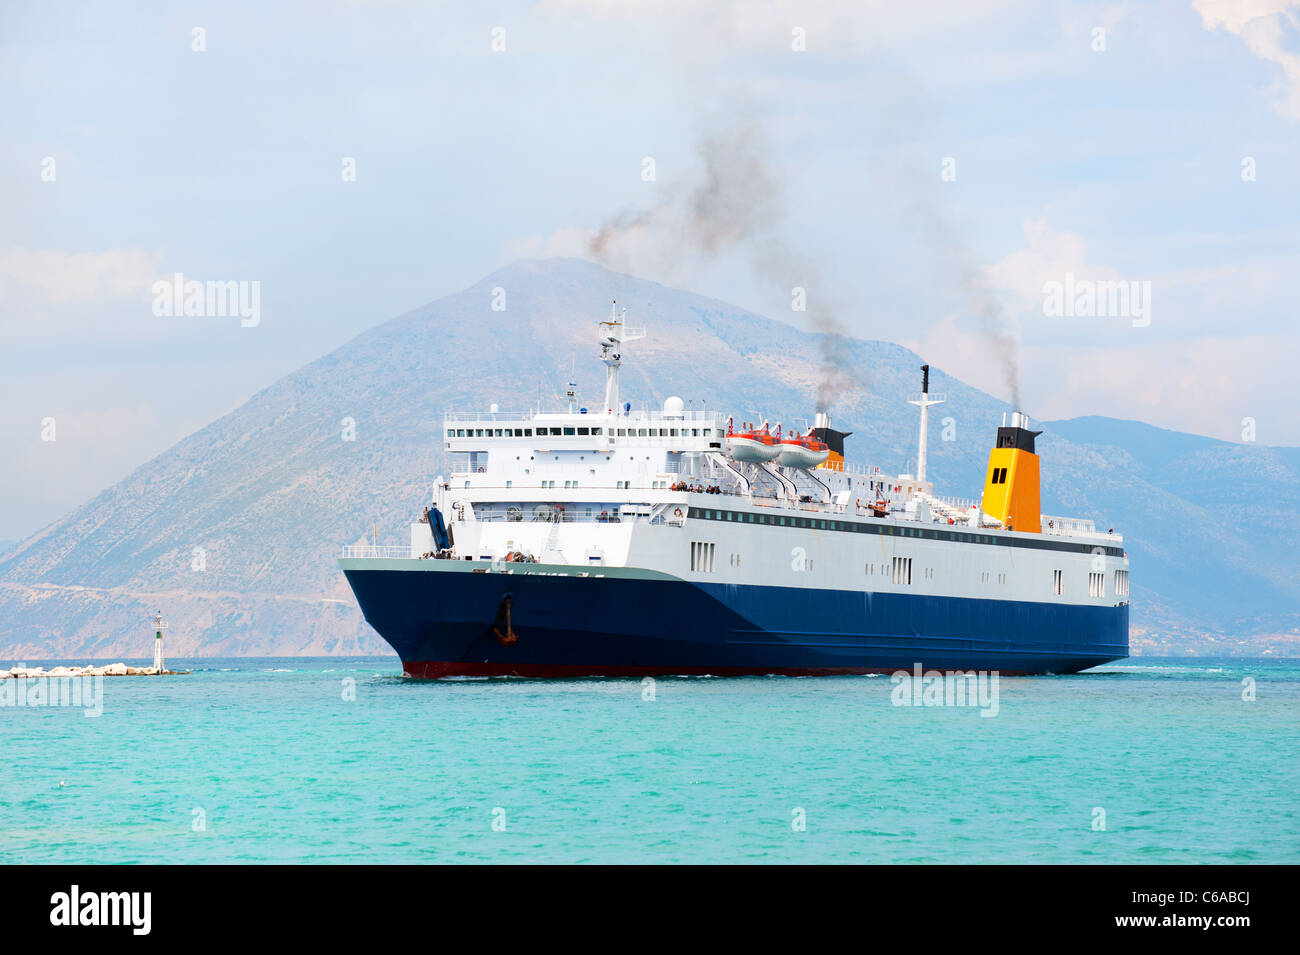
503	616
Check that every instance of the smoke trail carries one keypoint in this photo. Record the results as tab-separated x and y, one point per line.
954	258
736	204
999	337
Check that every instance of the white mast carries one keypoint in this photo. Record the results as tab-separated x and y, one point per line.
613	335
924	400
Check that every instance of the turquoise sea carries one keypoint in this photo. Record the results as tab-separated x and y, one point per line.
264	760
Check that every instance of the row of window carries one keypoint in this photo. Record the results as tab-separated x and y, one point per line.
897	530
1096	583
577	431
900	570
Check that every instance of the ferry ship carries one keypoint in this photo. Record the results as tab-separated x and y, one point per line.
621	542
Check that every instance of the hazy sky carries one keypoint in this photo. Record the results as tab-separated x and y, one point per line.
916	166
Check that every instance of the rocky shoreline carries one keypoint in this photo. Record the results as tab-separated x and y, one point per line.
111	669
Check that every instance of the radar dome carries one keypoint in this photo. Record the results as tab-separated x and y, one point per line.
673	407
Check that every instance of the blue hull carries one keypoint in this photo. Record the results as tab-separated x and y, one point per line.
444	623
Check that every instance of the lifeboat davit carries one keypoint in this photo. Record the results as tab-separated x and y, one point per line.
753	445
802	451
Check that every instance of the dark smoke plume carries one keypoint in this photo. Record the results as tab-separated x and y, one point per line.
953	261
736	204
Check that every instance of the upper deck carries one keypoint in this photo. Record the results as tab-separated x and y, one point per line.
599	464
689	431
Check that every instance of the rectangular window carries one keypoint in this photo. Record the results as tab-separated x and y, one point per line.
1058	584
569	432
1097	585
584	431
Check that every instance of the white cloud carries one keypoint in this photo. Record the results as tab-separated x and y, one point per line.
1261	25
76	278
832	26
1047	256
1198	368
570	241
1204	385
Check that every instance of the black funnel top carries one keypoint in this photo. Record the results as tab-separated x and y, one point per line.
833	439
1020	438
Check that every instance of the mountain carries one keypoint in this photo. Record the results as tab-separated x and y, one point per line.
233	532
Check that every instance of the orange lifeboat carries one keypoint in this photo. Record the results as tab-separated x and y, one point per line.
752	445
802	451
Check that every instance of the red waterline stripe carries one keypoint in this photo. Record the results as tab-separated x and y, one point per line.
433	670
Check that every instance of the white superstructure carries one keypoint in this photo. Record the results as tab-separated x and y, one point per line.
657	490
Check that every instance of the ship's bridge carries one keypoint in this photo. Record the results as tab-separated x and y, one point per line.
546	450
689	431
